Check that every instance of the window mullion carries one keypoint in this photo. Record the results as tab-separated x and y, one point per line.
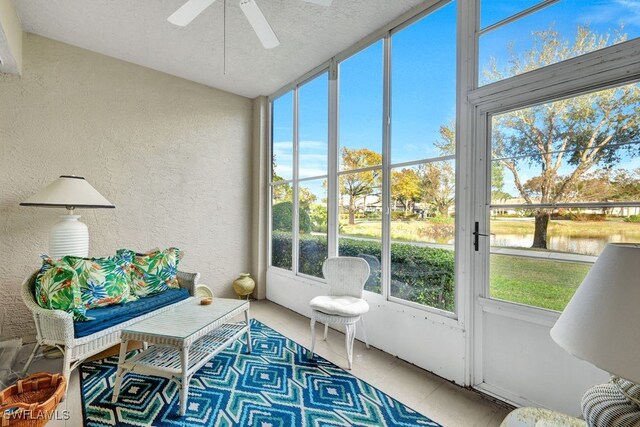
295	235
386	161
332	165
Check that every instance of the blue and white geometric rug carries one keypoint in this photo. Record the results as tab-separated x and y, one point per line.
274	386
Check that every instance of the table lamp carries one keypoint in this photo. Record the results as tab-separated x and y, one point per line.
69	236
601	325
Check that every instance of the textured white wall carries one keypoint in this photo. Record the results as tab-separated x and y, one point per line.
172	155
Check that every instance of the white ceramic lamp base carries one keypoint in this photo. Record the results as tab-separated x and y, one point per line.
69	237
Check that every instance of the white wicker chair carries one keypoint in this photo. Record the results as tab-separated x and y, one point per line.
344	305
55	327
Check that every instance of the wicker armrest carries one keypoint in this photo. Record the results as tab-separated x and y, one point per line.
188	281
52	325
55	326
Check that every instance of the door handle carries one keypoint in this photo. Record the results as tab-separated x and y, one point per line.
476	235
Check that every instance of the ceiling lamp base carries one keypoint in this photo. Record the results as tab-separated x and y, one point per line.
69	236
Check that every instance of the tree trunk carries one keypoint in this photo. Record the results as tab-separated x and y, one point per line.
352	210
540	233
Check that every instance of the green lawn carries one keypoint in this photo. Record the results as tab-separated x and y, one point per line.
532	281
536	282
569	228
439	231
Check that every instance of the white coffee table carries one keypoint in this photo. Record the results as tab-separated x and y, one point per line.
181	340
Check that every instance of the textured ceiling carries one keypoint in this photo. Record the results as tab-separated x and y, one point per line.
137	31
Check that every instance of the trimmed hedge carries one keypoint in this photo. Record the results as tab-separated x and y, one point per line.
420	274
282	219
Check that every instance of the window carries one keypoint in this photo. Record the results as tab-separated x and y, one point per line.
303	175
422	181
360	158
282	138
313	117
282	180
517	37
407	199
565	182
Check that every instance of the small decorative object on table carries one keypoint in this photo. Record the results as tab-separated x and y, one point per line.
32	401
244	285
206	300
203	291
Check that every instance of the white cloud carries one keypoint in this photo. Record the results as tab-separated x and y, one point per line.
309	172
626	12
318	158
631	13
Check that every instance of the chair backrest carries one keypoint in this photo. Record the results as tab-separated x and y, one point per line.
28	290
345	275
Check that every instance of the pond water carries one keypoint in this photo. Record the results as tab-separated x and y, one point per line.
571	244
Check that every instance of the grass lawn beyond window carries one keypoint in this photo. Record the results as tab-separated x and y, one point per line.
540	283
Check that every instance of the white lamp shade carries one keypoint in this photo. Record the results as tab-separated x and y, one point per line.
68	191
601	324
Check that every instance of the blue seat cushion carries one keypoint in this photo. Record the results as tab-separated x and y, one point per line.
105	317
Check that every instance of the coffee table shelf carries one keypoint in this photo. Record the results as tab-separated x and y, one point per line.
167	358
181	340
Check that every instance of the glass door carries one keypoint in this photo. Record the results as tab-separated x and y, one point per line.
561	180
565	181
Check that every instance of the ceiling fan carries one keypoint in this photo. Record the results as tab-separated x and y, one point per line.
192	8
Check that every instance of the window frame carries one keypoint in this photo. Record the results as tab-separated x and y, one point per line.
610	67
540	5
332	67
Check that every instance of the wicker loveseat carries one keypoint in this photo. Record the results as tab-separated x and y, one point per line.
57	327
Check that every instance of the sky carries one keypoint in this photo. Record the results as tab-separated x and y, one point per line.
423	82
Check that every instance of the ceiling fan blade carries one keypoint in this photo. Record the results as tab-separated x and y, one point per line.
320	2
189	11
259	23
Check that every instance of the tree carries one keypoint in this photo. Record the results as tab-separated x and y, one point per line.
281	192
306	198
438	186
282	218
437	180
602	185
626	185
497	183
405	188
358	184
579	133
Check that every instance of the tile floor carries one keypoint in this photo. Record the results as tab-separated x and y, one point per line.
429	394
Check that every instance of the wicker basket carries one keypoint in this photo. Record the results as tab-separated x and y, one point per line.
32	401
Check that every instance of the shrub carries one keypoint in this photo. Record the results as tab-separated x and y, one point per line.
282	218
587	217
403	216
281	249
442	219
312	252
632	218
577	216
419	274
318	217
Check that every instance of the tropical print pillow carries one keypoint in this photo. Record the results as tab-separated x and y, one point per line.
153	272
57	288
103	281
